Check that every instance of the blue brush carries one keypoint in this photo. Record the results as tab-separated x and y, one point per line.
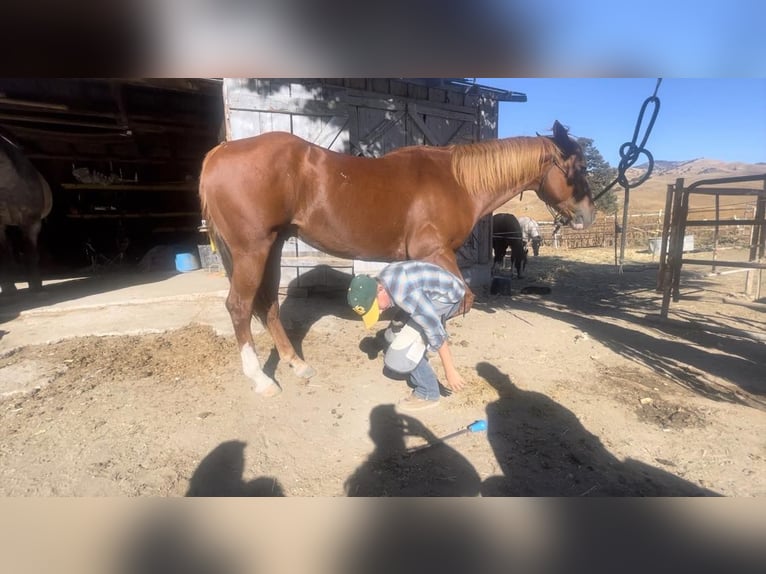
476	426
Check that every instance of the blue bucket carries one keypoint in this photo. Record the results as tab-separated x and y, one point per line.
186	262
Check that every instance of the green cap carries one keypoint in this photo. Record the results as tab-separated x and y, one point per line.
363	298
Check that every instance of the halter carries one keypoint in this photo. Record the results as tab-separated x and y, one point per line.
558	218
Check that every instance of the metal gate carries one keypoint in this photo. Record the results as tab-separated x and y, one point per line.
674	234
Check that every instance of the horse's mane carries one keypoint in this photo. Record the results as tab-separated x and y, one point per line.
493	165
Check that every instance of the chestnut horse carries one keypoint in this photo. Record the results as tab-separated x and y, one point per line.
416	202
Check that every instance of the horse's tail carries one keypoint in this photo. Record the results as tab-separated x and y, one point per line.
217	241
203	199
220	245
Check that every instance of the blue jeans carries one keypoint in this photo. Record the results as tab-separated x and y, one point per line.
419	373
406	354
424	380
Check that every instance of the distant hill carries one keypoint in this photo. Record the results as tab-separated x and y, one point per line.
650	196
699	167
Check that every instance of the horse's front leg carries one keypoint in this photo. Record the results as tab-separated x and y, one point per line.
281	341
267	310
446	259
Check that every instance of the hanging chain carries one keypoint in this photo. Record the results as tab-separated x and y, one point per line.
628	159
630	151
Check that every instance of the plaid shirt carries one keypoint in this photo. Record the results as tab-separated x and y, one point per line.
418	288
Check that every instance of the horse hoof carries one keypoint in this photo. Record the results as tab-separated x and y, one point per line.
303	370
271	391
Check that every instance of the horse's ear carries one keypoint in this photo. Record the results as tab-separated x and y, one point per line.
560	133
562	139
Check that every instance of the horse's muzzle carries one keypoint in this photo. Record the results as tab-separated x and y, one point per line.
576	224
582	220
575	218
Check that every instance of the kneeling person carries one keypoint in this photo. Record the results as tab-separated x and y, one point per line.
429	295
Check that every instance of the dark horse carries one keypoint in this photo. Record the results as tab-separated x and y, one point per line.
25	200
415	202
506	231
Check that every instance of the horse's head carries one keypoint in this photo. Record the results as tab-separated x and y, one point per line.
564	184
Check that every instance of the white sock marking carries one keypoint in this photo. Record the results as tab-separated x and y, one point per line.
252	369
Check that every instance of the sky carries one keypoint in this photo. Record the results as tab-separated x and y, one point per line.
714	118
679	38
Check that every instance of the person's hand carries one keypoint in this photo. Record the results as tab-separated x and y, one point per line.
454	381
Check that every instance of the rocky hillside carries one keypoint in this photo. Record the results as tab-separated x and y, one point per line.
700	168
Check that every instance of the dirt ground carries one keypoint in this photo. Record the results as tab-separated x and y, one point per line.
585	392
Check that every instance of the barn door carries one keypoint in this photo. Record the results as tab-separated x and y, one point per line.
312	111
444	125
377	125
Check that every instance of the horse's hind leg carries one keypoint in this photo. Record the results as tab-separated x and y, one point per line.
267	310
245	281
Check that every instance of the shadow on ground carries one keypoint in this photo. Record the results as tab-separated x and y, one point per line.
544	450
393	470
621	311
221	474
11	306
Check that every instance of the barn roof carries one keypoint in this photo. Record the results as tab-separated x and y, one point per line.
470	85
151	121
168	123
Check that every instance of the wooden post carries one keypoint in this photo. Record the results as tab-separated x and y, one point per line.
715	231
226	112
754	280
624	228
680	232
661	274
674	248
615	238
762	242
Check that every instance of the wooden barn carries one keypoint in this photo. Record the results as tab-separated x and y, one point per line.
123	155
122	158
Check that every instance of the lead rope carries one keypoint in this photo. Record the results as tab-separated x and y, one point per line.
629	154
